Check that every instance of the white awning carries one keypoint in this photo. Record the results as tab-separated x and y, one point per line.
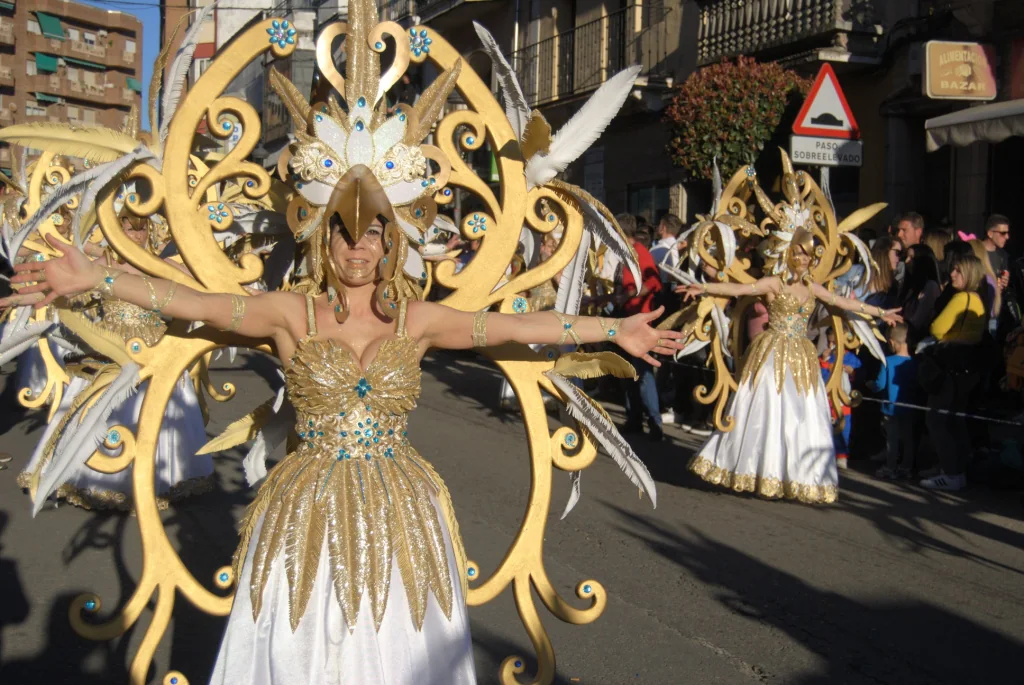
992	123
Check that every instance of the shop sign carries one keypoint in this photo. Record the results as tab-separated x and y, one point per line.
958	71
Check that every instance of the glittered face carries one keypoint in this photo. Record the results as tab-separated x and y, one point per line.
799	260
136	235
357	262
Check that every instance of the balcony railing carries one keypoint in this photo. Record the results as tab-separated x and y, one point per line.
397	10
87	50
745	27
581	59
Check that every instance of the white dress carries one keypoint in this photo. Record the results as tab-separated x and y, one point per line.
179	472
780	445
351	568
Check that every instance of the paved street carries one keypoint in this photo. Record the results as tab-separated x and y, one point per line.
891	585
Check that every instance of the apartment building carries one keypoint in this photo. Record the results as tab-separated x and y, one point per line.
563	51
66	62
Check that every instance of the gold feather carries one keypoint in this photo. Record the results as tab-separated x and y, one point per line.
131	123
860	216
240	431
594	365
536	137
296	105
93	144
106	343
428	108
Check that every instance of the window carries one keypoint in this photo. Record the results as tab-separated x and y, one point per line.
89	77
32	109
649	201
129	46
72	113
74	34
199	66
90	38
30	67
33	27
74	74
89	116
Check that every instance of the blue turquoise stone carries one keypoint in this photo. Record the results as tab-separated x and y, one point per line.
361	102
587	589
471	572
389	164
379	45
90	605
223	578
470	140
360	126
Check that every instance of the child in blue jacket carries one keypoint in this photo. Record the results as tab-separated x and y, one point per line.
898	379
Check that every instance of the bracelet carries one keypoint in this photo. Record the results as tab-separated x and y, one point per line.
480	328
832	301
106	284
863	309
704	287
167	298
237	313
609	331
152	293
753	287
567	328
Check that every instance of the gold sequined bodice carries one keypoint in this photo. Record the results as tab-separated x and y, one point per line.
354	487
786	339
131	321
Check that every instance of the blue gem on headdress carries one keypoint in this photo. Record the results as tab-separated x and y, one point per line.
303	212
389	164
250	183
424	184
385	260
136	347
227	126
423	33
423	275
751	171
470	572
470	140
551	217
587	589
360	125
401	117
319	118
131	198
361	102
113	437
418	212
447	192
90	605
224	577
328	163
416	52
284	24
379	45
519	664
519	305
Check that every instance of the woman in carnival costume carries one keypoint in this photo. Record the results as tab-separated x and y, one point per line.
779	439
351	567
180	472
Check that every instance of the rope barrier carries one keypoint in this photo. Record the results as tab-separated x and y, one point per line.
959	414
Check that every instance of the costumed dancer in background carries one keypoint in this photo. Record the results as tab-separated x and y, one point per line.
777	441
180	472
351	568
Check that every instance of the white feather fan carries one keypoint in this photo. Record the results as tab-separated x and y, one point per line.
517	110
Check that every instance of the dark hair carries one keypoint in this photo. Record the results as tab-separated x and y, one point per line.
673	224
921	269
954	250
995	220
627	222
644	238
915	219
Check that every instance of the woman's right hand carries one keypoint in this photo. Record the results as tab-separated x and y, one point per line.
70	274
690	292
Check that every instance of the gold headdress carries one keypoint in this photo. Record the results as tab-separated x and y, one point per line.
358	163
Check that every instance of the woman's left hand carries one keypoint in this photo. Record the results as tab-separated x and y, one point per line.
892	316
638	338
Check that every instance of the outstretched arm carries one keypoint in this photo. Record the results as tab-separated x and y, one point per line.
764	286
448	328
260	316
890	316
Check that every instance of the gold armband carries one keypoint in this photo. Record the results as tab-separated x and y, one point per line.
106	285
237	313
609	331
480	328
568	329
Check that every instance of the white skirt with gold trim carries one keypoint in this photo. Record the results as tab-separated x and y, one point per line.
780	446
322	648
179	472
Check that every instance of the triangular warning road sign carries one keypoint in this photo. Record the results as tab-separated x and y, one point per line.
825	113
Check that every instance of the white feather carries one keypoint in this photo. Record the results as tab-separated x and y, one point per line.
517	109
595	222
603	431
60	196
101	176
65	346
728	238
83	433
580	132
529	245
16	322
571	285
683	277
721	322
574	493
862	329
178	74
22	339
864	252
716	186
270	436
694	346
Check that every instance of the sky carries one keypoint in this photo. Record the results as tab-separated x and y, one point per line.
148	11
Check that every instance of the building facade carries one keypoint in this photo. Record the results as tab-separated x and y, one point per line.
66	62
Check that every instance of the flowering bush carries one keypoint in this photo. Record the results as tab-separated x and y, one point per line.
728	110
